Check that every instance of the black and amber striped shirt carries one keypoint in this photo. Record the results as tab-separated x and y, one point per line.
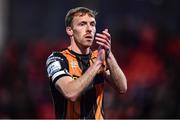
68	63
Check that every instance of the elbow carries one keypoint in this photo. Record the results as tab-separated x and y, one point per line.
68	94
123	89
71	97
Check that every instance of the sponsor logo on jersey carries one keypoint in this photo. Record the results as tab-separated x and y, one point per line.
53	68
74	64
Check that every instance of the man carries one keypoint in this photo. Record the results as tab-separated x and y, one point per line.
77	74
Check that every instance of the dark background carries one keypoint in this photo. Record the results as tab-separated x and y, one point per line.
145	41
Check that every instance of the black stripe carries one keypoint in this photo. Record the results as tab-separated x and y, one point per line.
59	101
88	103
88	98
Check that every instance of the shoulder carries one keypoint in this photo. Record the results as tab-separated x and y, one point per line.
57	66
55	56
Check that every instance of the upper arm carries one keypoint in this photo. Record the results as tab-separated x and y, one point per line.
57	67
62	84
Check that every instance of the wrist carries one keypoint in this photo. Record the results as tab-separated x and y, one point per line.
98	62
109	54
100	66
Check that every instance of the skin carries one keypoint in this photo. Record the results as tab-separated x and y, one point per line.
82	33
114	76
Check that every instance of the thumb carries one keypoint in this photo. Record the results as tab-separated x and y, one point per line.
106	30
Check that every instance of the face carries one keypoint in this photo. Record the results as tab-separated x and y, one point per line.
83	30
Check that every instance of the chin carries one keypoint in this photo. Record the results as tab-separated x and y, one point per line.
87	45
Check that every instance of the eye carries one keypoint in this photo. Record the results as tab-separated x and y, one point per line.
93	24
82	23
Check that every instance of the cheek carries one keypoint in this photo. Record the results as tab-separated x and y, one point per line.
78	34
94	30
81	33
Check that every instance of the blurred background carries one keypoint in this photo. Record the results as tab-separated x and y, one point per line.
145	41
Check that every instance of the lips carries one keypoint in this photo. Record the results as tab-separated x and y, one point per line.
88	36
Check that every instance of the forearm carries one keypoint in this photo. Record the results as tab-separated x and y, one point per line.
117	75
83	82
118	78
73	88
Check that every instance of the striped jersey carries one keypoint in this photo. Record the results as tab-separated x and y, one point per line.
90	103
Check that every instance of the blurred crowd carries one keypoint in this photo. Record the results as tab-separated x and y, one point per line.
151	67
147	52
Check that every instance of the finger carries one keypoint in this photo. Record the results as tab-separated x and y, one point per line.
106	45
103	45
103	41
106	34
102	36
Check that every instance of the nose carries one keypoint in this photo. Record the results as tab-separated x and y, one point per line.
89	28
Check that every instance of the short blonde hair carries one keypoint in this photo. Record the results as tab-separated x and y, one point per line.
73	12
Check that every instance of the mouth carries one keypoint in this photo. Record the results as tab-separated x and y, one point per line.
88	36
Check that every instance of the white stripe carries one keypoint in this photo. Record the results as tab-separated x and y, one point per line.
53	67
57	74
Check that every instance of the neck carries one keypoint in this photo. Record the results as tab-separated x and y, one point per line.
79	49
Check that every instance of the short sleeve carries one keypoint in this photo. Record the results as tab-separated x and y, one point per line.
57	66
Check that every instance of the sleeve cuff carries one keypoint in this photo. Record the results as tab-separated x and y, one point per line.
57	78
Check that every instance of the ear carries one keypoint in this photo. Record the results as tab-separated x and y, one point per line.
69	31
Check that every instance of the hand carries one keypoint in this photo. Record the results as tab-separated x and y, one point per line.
101	58
101	54
104	40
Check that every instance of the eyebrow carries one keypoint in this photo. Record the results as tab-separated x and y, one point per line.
86	22
93	22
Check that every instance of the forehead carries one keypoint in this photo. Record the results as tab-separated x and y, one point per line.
78	17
